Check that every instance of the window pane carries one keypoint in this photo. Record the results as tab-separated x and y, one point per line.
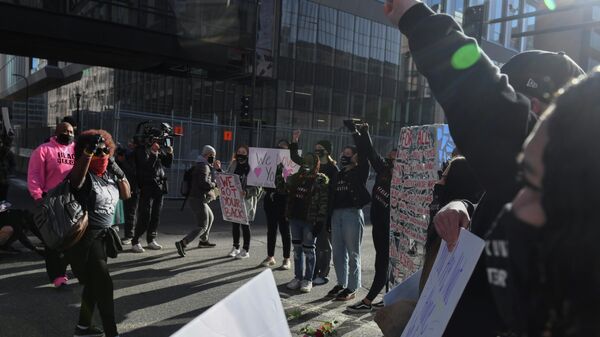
344	40
289	28
307	31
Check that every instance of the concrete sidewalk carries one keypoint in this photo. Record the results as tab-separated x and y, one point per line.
158	292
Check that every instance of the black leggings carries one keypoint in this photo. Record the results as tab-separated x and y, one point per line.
381	240
98	290
235	229
275	211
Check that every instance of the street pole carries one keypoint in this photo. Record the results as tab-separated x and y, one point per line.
254	57
26	105
78	97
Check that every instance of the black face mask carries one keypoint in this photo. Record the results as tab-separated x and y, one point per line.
210	160
241	158
511	256
345	160
64	139
320	153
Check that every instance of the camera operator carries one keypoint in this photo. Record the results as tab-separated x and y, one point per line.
150	161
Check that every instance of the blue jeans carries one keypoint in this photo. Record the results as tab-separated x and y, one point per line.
347	225
304	247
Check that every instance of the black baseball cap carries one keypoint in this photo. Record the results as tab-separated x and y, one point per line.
540	74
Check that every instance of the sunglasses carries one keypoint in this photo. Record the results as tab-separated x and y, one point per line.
101	151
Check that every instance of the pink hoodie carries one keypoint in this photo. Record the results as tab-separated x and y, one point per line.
49	164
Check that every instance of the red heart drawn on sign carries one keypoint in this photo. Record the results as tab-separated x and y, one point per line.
258	171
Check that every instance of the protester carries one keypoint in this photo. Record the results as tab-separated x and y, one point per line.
347	222
203	191
14	224
323	150
49	164
488	121
545	278
380	215
458	182
150	162
307	211
126	161
239	165
98	183
275	203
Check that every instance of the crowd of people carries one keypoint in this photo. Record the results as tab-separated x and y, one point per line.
523	178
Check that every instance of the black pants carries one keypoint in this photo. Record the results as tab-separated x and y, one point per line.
381	240
55	264
275	211
151	201
131	207
235	229
98	290
323	255
3	191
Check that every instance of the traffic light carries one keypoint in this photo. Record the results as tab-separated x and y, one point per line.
245	107
473	22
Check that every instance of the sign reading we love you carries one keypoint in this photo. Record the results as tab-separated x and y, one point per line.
263	166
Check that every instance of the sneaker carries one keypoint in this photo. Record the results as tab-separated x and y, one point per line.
378	305
137	248
346	295
268	262
294	284
286	265
242	255
154	245
360	307
335	291
60	281
126	241
320	281
88	332
305	286
206	244
234	252
180	248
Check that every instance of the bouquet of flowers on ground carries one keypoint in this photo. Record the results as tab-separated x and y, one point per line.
326	329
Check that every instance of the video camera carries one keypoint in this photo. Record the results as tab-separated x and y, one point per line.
147	134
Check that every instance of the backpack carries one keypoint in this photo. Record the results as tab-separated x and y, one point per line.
186	183
60	219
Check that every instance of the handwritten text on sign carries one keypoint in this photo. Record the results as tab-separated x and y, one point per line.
448	278
263	166
232	201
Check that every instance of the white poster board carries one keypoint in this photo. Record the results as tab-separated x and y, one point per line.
289	167
232	202
263	166
253	310
448	278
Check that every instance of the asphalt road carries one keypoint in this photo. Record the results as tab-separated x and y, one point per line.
157	292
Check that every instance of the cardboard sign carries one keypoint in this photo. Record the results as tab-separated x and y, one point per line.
289	167
233	206
448	278
422	151
253	310
263	166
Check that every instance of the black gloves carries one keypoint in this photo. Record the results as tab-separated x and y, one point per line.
114	168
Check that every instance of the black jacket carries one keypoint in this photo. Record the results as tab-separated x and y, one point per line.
489	122
150	167
357	180
128	167
380	195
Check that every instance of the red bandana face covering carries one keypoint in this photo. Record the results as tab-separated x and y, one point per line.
98	165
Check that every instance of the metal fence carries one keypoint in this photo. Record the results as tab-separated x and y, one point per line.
122	125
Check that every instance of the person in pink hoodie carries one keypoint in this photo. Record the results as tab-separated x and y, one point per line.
49	164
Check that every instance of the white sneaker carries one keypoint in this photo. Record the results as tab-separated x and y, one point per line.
154	245
305	286
242	255
286	265
234	252
294	284
137	248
